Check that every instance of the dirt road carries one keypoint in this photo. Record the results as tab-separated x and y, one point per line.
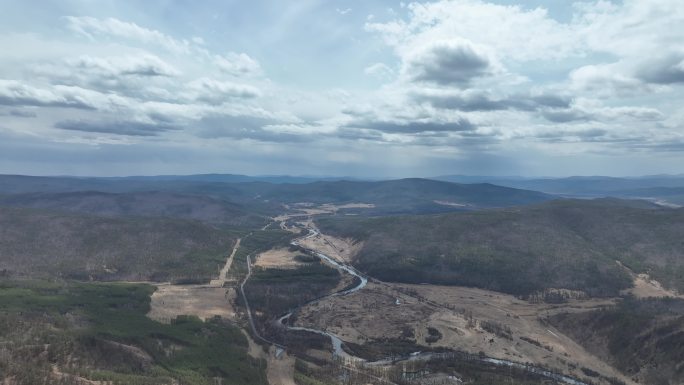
221	280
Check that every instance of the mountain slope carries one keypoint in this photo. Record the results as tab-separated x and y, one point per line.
642	338
143	204
577	185
39	243
570	244
402	195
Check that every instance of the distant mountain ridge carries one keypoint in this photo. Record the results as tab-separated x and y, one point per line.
235	178
140	204
577	185
411	195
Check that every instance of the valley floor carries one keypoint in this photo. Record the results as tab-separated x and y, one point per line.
425	316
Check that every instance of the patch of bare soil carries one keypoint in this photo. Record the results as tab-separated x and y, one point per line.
335	208
254	350
170	301
306	209
645	287
467	319
451	204
204	301
280	369
278	258
279	365
337	248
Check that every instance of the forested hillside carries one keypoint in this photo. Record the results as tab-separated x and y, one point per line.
571	244
39	243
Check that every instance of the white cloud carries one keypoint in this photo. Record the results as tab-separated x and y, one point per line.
452	62
142	65
608	80
461	76
510	31
106	73
629	28
379	70
218	92
91	27
14	93
238	64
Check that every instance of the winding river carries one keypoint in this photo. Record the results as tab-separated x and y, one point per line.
416	356
363	281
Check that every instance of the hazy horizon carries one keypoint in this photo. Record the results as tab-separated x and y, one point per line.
350	177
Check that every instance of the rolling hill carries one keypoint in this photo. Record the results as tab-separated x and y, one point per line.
571	244
403	195
596	186
642	338
41	243
412	195
142	204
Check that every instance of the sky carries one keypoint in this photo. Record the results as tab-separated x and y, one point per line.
368	88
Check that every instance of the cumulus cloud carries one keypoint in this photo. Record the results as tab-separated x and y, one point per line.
664	70
629	28
461	76
447	62
619	80
511	31
450	63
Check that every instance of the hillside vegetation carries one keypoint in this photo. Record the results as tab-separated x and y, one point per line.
68	333
412	195
643	338
579	185
143	204
571	244
39	243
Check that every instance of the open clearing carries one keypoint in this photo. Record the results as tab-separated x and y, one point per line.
204	301
307	209
278	258
280	369
170	301
461	316
645	287
337	248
